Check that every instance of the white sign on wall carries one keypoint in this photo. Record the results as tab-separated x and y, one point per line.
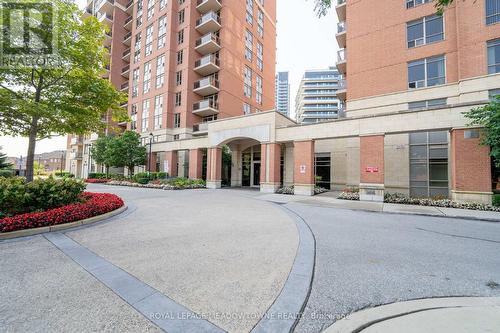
303	168
166	166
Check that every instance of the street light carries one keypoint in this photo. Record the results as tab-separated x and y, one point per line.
151	137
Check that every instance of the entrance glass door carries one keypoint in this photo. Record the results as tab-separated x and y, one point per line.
256	174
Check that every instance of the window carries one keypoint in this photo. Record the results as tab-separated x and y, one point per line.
248	45
158	111
180	57
414	3
249	15
178	78
137	48
260	23
138	21
425	31
427	104
248	82
162	31
426	72
246	108
258	89
133	117
151	8
149	40
492	11
260	56
494	56
429	164
177	120
147	77
163	3
145	115
180	37
160	71
135	82
181	16
493	93
177	137
178	98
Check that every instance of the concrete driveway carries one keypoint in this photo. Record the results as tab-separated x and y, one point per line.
227	256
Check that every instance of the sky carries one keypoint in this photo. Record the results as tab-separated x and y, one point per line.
304	42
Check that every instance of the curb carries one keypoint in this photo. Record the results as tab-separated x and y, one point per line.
60	227
285	312
358	321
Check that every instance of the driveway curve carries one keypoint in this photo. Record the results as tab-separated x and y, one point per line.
220	254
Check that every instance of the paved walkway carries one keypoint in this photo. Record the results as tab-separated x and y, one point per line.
330	200
443	315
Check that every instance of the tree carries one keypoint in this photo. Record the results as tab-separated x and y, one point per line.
488	116
323	6
69	97
127	151
4	164
99	152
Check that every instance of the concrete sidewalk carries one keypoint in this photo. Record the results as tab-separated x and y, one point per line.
443	315
329	200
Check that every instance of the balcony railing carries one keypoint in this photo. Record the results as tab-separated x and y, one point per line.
208	81
341	27
202	127
342	84
209	59
127	36
207	17
207	38
126	53
124	86
125	69
205	104
340	2
341	55
128	20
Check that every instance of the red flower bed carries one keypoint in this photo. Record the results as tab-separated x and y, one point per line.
93	204
96	181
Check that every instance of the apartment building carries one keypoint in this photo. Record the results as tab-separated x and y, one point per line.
401	57
116	15
283	93
316	98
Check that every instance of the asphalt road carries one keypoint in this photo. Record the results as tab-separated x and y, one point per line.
365	259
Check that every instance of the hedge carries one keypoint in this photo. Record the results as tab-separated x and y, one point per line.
92	204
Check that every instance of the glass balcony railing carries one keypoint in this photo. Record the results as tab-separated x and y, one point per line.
341	55
340	2
209	59
207	17
207	38
206	82
342	84
205	104
341	27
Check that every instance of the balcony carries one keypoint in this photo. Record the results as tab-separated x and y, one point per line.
341	34
126	55
126	71
200	129
87	12
210	22
207	107
128	23
207	44
204	6
207	86
124	87
106	18
342	61
105	6
207	65
342	91
76	156
127	39
76	141
129	8
341	9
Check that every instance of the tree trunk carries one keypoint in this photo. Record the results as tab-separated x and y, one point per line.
31	149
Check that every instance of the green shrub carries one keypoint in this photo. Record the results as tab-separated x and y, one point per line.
64	174
142	181
6	173
17	196
496	200
97	175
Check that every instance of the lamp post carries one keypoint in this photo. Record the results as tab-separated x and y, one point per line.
151	137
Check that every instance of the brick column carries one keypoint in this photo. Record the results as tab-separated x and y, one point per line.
470	167
214	168
195	163
270	167
171	163
371	187
152	162
303	174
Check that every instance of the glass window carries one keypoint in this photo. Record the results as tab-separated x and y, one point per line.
426	72
414	3
492	11
427	104
494	56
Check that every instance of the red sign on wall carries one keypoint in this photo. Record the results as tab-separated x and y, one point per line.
371	169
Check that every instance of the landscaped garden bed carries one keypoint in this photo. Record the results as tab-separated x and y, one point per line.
399	198
290	190
49	202
164	184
